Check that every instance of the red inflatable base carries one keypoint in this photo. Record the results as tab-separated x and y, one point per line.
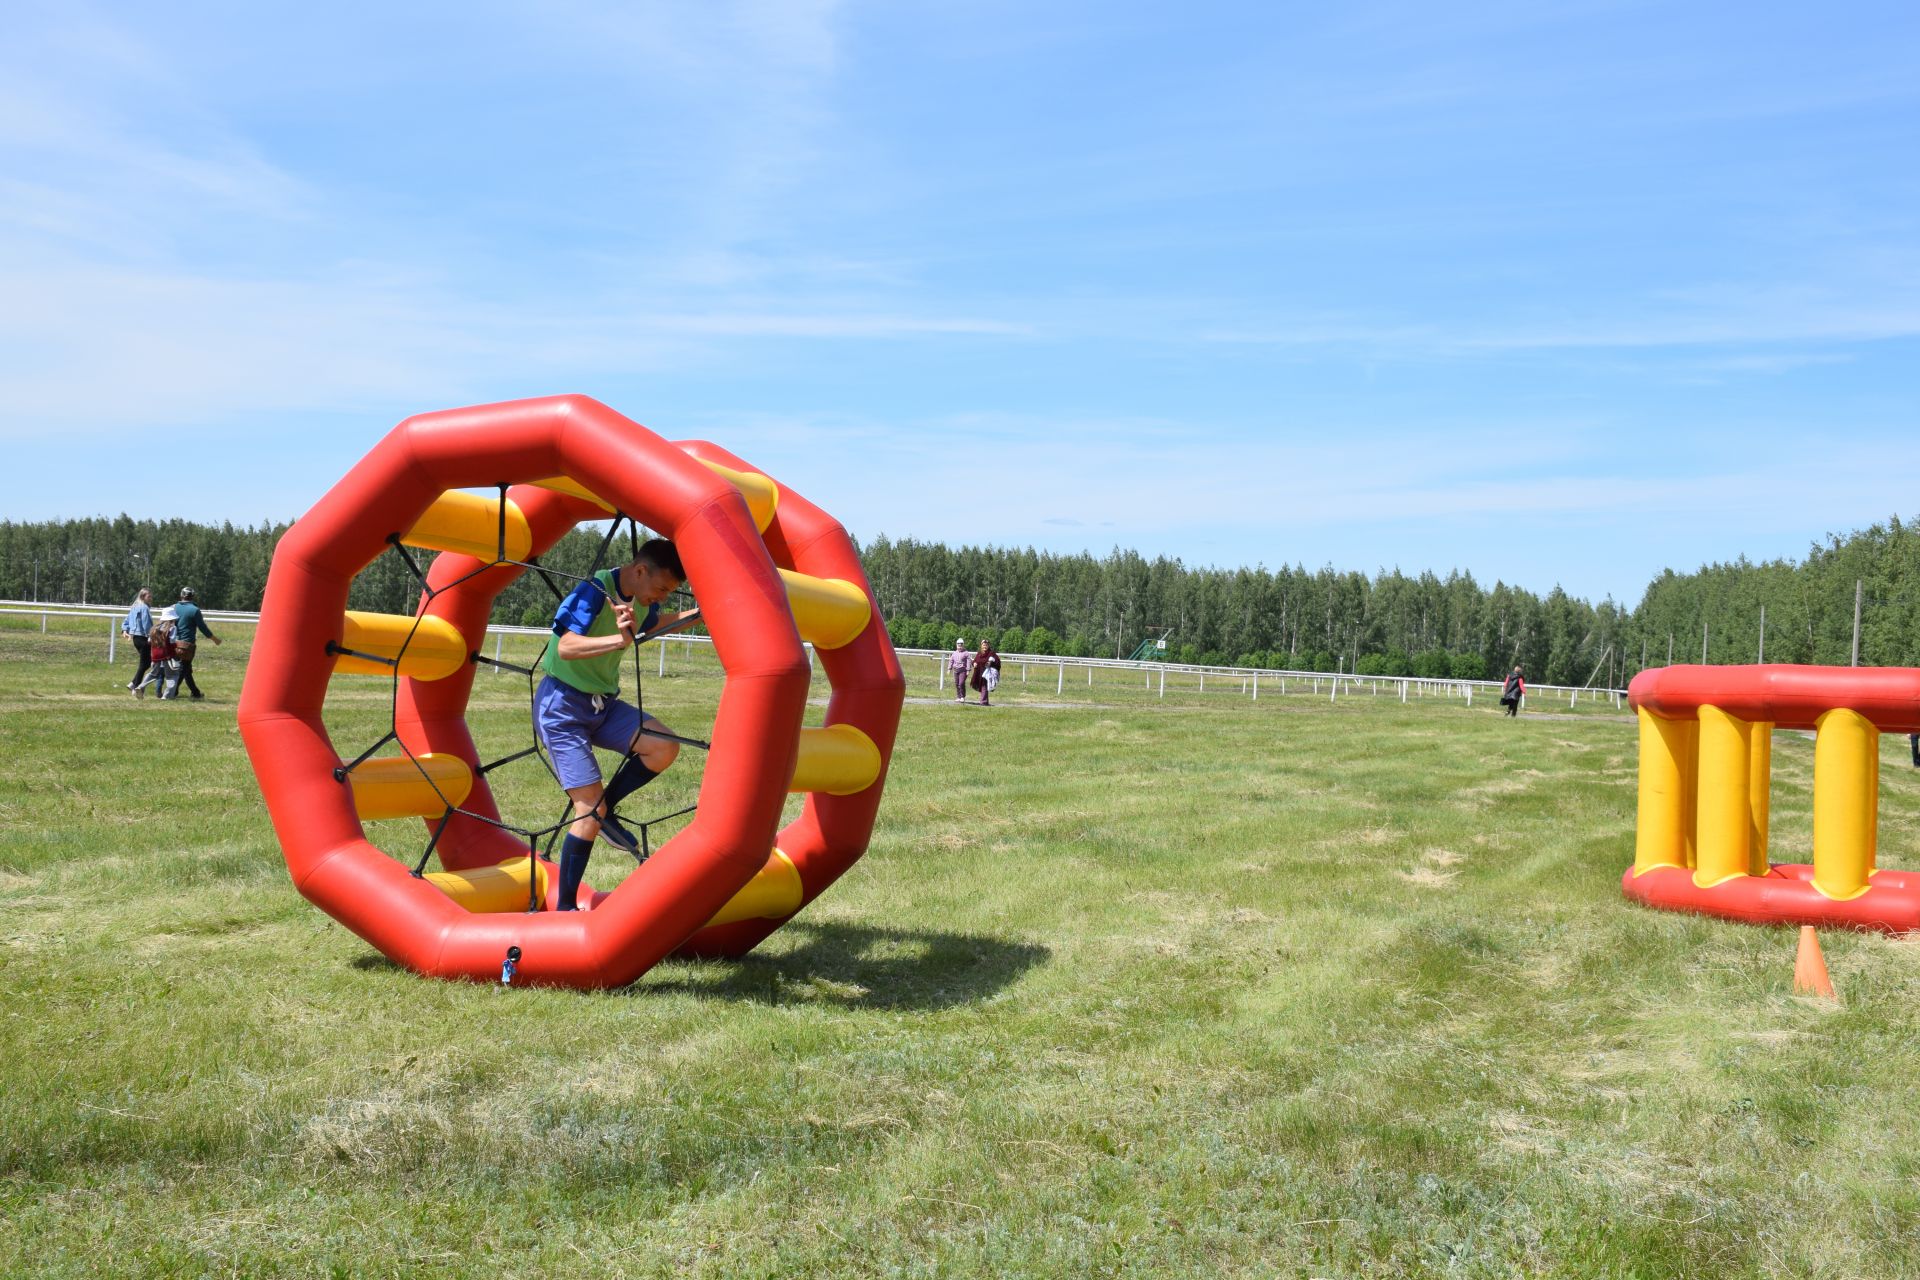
1785	895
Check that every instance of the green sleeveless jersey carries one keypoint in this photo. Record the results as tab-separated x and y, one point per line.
585	612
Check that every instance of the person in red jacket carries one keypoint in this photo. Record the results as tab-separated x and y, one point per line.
1514	690
164	652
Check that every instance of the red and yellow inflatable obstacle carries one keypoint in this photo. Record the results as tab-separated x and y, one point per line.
770	571
1706	737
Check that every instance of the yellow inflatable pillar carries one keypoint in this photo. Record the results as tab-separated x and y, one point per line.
491	889
1846	777
435	650
838	760
830	612
469	524
1724	798
396	787
1664	830
773	894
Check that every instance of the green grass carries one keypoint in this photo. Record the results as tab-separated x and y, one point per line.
1294	987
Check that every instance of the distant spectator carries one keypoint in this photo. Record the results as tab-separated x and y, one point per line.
1913	741
958	663
188	621
1513	691
986	672
138	628
164	674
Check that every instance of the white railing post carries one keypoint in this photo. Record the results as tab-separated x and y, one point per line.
497	638
1163	682
1060	685
1256	686
113	636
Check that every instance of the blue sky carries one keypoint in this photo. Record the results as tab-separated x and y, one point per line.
1555	294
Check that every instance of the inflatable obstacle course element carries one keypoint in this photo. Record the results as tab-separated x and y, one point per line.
772	573
1706	737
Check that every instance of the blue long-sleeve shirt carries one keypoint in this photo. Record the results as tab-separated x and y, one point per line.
139	619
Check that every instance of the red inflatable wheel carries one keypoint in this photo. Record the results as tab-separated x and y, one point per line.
771	571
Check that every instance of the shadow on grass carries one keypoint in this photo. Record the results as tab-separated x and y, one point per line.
849	966
855	967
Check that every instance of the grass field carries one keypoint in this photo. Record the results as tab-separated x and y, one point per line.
1208	986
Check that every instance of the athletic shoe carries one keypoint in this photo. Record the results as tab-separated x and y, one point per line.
618	836
196	696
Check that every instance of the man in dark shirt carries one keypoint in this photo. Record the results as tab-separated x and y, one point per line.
188	619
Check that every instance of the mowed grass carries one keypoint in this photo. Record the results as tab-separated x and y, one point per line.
1294	987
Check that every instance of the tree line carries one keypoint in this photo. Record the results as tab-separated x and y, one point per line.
1123	604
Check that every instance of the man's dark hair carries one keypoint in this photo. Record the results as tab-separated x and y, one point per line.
661	554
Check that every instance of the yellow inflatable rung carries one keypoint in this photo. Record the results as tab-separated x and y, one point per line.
830	612
563	484
773	894
435	651
491	889
838	760
761	493
396	787
468	524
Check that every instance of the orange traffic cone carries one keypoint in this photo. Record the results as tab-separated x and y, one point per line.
1810	967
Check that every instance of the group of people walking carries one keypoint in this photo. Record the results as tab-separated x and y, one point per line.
165	642
979	668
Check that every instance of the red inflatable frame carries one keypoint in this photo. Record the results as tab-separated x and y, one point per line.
661	907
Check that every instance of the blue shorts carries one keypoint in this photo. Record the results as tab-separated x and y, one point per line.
571	729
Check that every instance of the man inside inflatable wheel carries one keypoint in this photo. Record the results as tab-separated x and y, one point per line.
578	707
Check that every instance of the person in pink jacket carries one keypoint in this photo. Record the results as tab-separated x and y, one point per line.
959	664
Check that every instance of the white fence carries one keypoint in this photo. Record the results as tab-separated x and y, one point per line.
1153	674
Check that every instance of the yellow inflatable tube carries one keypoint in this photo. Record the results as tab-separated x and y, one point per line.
830	612
469	524
761	493
573	488
838	760
491	889
396	787
773	894
436	650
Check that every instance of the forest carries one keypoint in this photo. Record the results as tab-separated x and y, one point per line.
1123	604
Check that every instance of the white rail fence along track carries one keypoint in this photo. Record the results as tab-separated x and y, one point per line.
1251	682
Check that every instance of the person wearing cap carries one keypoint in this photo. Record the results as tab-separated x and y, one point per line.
959	666
577	706
187	620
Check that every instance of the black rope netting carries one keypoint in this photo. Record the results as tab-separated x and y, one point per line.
532	837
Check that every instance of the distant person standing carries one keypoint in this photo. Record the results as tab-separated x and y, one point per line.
1513	691
959	662
138	628
187	620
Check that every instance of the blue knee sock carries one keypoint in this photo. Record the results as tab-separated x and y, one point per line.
574	853
627	779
